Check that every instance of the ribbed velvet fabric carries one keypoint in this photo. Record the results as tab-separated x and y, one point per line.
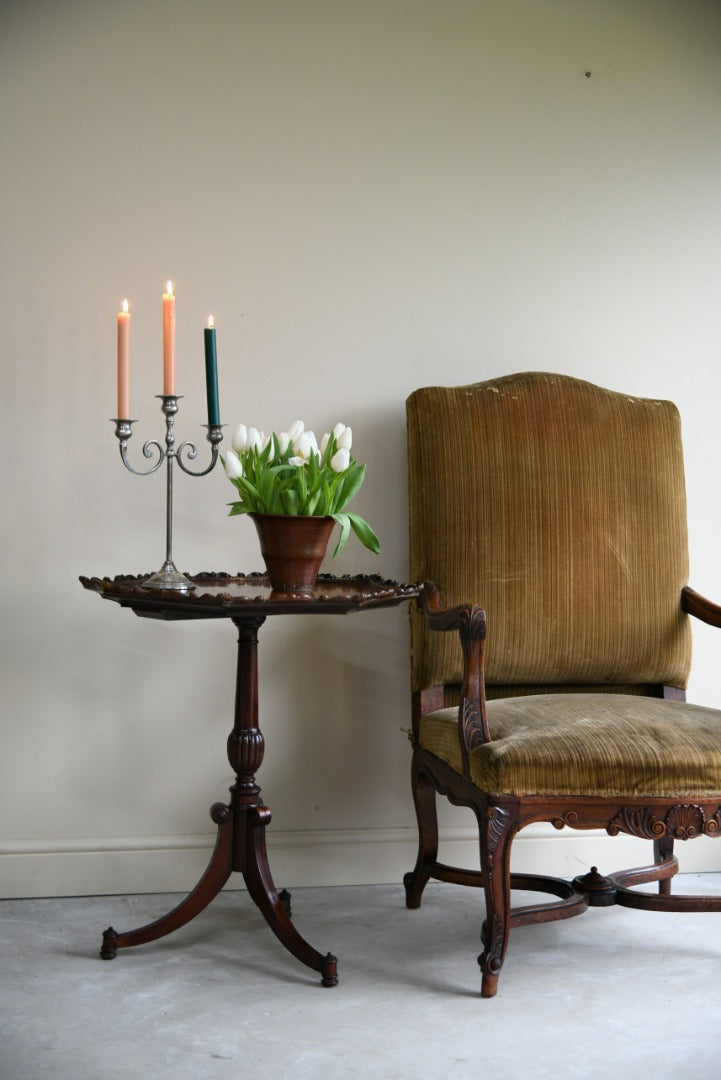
560	508
587	744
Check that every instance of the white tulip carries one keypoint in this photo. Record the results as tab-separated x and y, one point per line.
255	438
283	441
305	444
297	428
324	442
340	460
343	436
239	442
297	461
232	464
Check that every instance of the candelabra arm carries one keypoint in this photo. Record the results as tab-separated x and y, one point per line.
123	432
214	437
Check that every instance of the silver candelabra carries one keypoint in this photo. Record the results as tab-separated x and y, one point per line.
168	576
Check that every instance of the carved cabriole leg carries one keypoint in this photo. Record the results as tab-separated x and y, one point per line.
424	799
497	828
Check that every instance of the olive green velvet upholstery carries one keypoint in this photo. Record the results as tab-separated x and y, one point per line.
587	744
564	507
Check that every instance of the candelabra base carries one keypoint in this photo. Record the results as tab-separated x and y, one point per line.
168	577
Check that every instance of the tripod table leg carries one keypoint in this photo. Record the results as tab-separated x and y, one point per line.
212	881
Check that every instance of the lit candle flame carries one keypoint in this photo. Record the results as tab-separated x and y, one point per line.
125	306
211	322
169	288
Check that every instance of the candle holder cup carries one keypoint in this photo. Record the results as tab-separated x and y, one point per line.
168	576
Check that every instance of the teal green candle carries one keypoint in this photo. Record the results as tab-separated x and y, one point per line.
211	375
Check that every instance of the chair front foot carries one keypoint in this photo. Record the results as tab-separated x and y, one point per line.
495	940
414	883
490	965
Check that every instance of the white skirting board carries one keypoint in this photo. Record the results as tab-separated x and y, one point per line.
297	859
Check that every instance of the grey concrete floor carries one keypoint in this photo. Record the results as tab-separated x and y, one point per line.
613	993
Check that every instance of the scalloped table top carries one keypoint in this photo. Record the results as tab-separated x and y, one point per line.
223	595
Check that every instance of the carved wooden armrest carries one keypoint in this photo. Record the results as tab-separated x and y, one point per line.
470	622
701	608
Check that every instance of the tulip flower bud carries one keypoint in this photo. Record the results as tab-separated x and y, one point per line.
340	460
232	465
345	439
296	429
239	442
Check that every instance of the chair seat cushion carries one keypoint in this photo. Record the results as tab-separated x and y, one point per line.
587	744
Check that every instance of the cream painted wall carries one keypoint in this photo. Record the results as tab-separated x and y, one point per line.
370	195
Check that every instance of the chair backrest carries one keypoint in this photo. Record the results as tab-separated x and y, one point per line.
560	508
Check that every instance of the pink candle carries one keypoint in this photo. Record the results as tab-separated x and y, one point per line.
124	363
169	340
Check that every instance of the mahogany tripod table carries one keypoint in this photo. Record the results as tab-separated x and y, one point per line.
240	845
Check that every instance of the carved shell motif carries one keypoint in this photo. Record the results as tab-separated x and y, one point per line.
685	822
682	822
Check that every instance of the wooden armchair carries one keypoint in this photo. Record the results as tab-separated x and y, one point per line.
555	510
